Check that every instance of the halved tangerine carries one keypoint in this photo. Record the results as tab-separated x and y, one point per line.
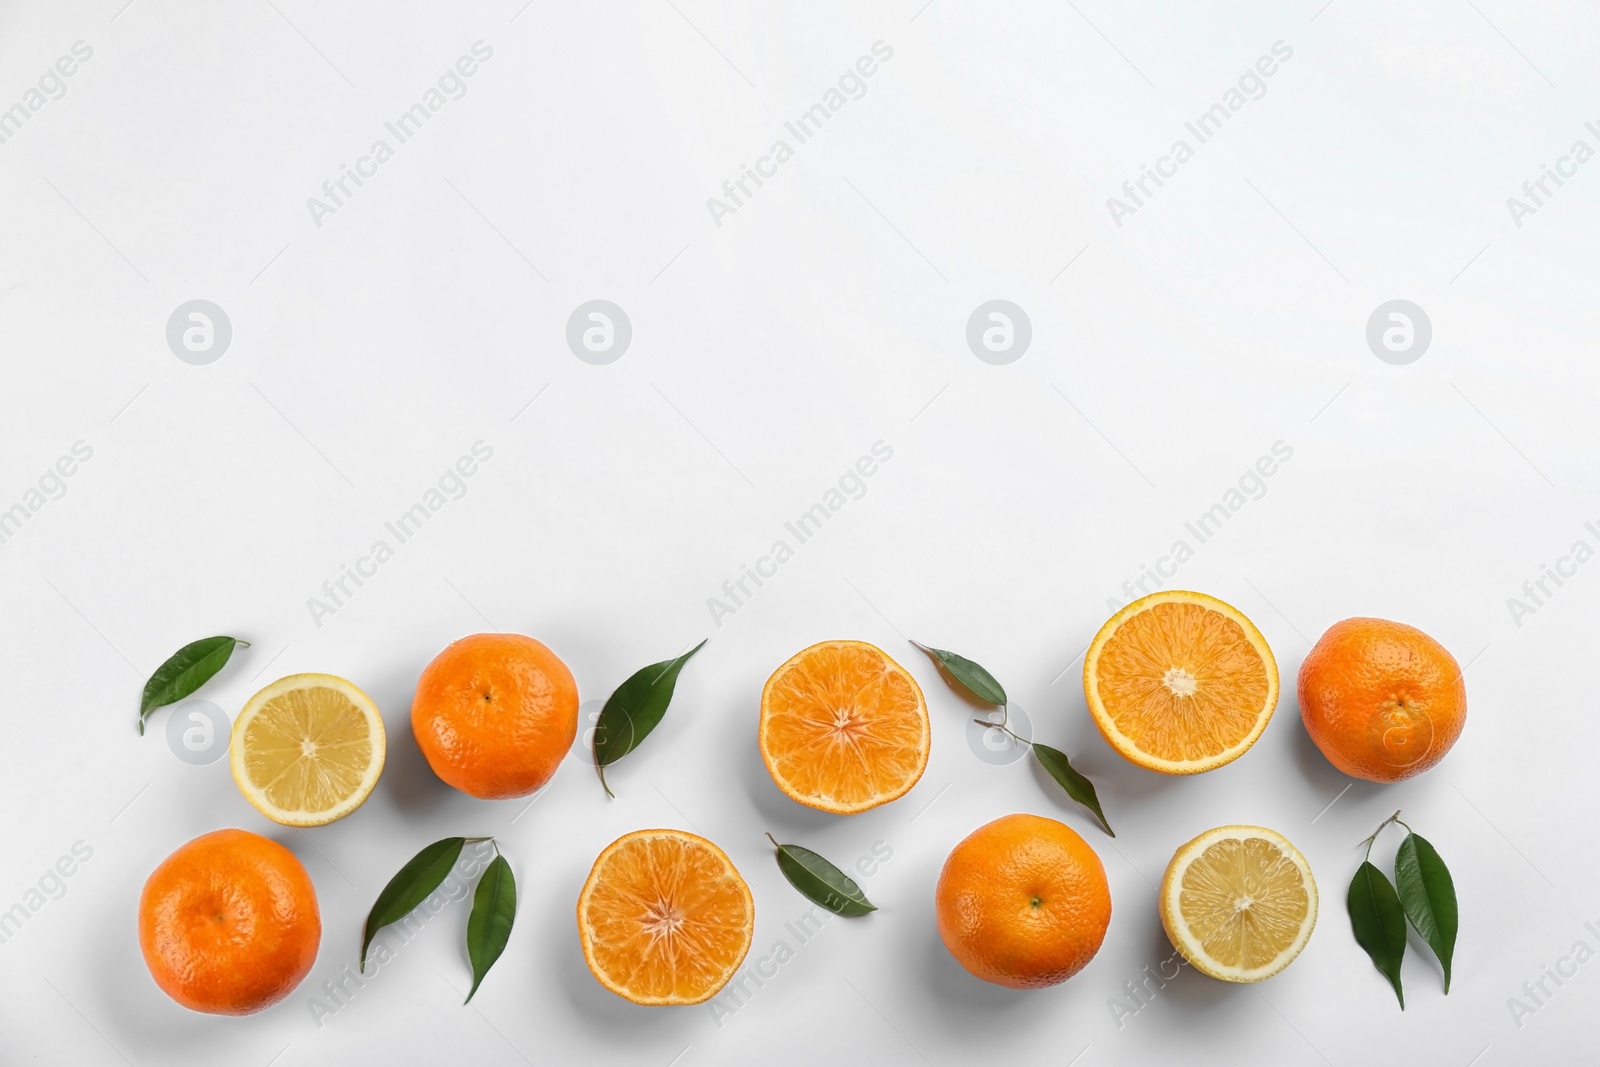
665	918
1180	682
844	728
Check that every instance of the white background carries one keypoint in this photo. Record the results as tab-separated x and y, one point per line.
768	354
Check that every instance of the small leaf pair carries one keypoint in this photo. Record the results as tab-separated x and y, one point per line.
820	881
185	671
494	904
982	685
1426	898
635	709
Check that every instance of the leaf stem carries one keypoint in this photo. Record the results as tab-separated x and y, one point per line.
1001	725
774	840
1371	840
1017	737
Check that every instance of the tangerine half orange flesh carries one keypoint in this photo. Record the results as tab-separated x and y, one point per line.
1180	682
844	728
664	918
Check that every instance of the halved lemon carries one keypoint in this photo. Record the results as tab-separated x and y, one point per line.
1180	682
1239	902
844	728
307	749
664	918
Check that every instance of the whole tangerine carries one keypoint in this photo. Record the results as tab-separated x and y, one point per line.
228	923
495	714
1382	700
1023	902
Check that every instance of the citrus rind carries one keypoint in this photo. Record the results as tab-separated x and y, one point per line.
242	739
1126	746
1187	941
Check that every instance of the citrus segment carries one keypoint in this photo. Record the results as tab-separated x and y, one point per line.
844	728
1180	682
307	749
664	918
1239	902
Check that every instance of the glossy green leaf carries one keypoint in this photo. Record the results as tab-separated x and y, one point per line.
635	709
185	671
410	887
494	907
1075	785
971	676
820	881
1379	922
1428	895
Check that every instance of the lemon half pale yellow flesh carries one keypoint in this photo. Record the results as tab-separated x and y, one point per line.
1239	903
307	749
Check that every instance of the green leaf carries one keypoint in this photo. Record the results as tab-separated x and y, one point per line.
1379	922
186	670
411	887
494	906
969	675
820	881
1072	783
634	710
1428	895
